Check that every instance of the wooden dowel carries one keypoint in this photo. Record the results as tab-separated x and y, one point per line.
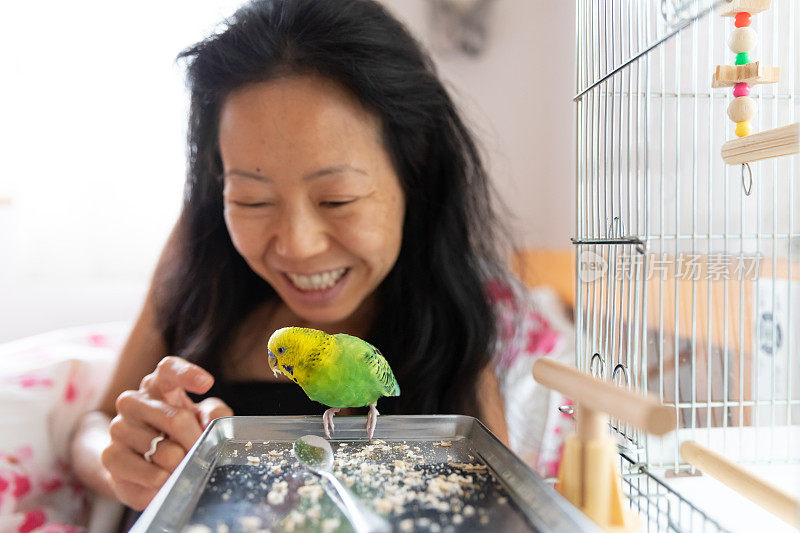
643	412
770	143
761	492
590	424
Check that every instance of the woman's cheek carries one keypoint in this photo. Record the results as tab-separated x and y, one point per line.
246	232
376	233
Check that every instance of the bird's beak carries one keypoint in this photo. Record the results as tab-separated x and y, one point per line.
273	362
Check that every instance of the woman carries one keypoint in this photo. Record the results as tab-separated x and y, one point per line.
331	185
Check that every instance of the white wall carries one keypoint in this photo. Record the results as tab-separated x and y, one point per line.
518	95
92	144
92	140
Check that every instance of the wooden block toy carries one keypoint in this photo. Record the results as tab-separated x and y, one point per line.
732	7
752	74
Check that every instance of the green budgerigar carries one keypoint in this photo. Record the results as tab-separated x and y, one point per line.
335	370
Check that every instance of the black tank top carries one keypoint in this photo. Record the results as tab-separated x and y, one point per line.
261	398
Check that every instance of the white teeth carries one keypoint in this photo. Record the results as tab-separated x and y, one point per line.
317	282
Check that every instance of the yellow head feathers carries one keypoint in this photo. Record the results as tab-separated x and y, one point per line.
288	348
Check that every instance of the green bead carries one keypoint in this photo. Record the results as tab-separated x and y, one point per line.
742	58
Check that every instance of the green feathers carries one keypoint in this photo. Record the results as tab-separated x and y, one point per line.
335	370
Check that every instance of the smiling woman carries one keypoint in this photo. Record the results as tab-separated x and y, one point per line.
333	185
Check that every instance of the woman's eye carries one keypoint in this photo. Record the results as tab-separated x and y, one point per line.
252	204
336	203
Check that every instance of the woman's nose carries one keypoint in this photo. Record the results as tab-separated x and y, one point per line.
300	234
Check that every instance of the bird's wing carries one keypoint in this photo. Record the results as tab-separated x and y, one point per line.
370	360
381	369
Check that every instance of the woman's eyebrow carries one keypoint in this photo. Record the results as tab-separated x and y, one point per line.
334	170
312	176
246	174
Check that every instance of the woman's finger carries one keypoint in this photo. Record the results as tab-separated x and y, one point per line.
176	373
180	424
134	496
123	464
211	408
176	396
139	438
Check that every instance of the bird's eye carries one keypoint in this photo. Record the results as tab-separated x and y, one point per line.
281	350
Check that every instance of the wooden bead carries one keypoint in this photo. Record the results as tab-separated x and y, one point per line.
742	40
742	19
742	58
742	109
742	129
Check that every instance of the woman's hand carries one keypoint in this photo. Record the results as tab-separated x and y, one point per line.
160	405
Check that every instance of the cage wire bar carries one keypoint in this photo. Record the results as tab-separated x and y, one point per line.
686	286
662	506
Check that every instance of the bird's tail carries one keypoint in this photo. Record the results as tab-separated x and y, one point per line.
396	389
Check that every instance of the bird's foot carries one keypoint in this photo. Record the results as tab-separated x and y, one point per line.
327	420
372	420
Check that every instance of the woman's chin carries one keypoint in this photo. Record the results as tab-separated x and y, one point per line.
322	318
330	307
320	313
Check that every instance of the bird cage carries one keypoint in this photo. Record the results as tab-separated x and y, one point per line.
688	245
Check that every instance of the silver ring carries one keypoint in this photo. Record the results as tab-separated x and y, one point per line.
148	455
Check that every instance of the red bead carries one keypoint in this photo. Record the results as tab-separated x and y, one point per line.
742	19
741	89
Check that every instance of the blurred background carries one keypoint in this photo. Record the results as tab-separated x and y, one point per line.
93	136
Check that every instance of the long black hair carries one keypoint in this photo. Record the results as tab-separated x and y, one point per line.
434	323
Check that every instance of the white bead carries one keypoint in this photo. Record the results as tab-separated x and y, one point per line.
742	40
742	109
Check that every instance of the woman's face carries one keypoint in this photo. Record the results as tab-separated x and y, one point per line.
312	201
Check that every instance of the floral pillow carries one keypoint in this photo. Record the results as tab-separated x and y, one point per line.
46	383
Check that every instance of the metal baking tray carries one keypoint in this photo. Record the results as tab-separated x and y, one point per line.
241	476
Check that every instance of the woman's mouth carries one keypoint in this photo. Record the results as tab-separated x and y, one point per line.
318	281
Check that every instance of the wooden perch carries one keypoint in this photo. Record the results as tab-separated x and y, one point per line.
762	145
637	410
588	476
752	74
759	491
731	7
